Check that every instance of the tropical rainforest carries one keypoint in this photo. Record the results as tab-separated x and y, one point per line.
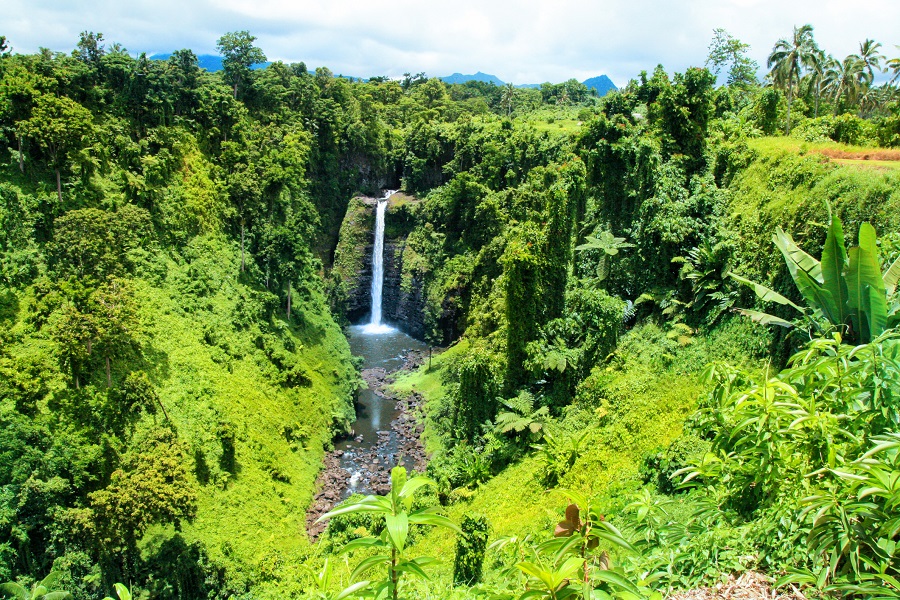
668	319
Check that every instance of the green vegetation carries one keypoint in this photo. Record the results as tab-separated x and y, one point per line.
604	422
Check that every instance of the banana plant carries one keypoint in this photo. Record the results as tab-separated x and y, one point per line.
390	547
845	290
39	591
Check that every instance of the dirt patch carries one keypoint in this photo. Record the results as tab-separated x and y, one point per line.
882	154
748	586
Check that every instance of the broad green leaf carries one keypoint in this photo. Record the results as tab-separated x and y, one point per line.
576	497
572	565
868	309
368	504
797	259
66	595
413	484
398	528
816	296
618	580
538	573
765	318
368	563
15	590
435	520
765	294
364	542
891	277
834	262
410	566
398	480
356	587
610	533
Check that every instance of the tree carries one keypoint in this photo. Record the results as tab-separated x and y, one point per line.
842	80
238	55
151	486
116	318
894	66
787	60
726	50
870	60
59	126
509	96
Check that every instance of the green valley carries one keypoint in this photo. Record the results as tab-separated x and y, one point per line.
661	326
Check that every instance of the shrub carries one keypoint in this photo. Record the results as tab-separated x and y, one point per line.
470	547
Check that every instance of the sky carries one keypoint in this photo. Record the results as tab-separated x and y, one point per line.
522	41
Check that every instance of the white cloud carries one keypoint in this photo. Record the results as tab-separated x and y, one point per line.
523	41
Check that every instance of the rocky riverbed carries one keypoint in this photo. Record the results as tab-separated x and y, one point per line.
399	445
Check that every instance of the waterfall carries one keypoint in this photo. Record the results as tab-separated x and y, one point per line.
375	325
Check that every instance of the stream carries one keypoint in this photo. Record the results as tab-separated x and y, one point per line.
386	432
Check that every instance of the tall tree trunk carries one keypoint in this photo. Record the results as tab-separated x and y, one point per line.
58	186
21	160
108	375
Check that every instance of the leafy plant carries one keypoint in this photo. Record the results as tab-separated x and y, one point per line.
523	415
122	592
322	584
470	547
39	591
396	509
558	454
846	290
609	245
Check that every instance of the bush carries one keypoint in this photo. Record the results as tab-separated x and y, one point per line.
470	547
658	466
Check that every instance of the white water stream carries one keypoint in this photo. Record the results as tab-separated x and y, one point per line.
375	325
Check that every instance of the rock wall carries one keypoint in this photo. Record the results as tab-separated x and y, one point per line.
353	267
402	308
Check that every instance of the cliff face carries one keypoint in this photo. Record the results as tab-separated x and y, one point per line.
403	301
402	305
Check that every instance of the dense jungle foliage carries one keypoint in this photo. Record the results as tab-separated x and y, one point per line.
670	315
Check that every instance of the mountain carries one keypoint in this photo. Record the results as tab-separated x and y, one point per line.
602	84
210	62
479	76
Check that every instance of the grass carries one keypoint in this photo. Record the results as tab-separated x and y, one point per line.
630	407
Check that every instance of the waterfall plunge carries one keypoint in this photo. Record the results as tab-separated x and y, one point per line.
375	325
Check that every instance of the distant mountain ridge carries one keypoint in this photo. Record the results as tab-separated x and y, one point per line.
479	76
601	83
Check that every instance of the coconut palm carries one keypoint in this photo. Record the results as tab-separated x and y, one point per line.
893	65
815	76
787	60
509	96
843	81
870	59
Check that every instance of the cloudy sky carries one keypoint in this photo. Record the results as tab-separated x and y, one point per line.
523	41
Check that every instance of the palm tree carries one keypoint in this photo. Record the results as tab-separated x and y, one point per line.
786	62
844	81
894	65
870	59
815	77
509	95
